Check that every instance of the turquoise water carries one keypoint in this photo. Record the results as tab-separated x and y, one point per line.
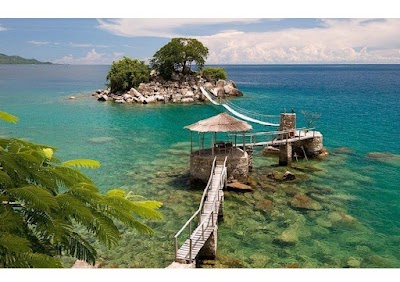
144	148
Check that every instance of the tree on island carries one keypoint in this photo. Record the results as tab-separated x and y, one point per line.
213	73
45	201
127	73
178	56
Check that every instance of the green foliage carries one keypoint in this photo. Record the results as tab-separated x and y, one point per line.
43	201
212	73
177	55
8	117
127	73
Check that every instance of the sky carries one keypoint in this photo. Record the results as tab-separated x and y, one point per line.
231	40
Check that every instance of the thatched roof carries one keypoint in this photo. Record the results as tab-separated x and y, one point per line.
220	123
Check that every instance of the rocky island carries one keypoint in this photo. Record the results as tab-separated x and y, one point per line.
179	89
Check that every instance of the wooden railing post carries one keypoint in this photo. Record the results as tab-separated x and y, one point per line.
190	249
176	248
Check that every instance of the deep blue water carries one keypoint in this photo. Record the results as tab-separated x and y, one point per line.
359	107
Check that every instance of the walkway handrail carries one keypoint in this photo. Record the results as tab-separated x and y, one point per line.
205	223
198	210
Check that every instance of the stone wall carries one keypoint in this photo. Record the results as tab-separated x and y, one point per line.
312	147
237	167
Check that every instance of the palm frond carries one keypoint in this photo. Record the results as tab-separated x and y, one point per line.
82	163
8	117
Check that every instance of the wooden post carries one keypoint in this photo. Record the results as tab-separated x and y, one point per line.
212	144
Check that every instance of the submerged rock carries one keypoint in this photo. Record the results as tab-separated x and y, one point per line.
287	238
239	186
265	205
353	263
302	202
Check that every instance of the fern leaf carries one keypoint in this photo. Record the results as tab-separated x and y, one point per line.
48	152
107	232
8	117
77	247
75	209
34	197
14	243
37	260
82	163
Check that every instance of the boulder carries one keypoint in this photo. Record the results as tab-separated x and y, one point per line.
187	100
228	89
120	101
99	91
178	97
159	97
302	202
208	86
221	83
135	93
289	176
72	98
102	98
126	96
150	99
189	94
129	100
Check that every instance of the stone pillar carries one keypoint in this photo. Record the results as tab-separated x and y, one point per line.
285	154
209	250
287	122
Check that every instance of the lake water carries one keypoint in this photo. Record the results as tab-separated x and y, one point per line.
144	148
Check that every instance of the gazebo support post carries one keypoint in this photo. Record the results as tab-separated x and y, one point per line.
199	143
244	142
212	143
191	142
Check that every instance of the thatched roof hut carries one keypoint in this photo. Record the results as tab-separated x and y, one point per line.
220	123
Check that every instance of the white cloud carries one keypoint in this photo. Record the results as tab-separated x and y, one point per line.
337	41
159	27
91	58
86	45
39	43
2	28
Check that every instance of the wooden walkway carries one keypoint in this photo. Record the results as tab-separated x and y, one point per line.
206	216
275	138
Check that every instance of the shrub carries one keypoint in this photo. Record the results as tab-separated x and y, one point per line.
214	73
127	73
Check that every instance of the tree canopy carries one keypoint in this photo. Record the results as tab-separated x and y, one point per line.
212	73
44	200
127	73
178	55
